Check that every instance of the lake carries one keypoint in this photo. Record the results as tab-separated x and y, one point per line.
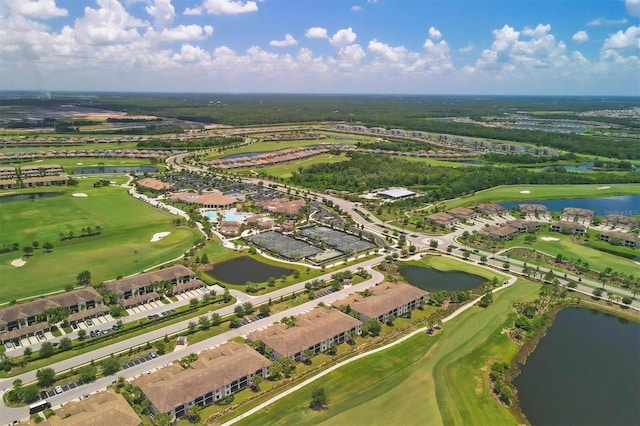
243	269
584	371
114	169
628	205
433	280
32	196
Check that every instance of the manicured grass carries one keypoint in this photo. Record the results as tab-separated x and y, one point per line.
425	380
285	170
568	248
66	147
539	192
123	248
70	164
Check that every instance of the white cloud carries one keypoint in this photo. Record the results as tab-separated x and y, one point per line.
580	37
111	23
468	48
42	9
633	7
356	8
343	37
192	54
598	22
392	54
193	11
372	1
438	56
349	57
180	33
162	12
434	33
229	7
316	32
629	39
288	41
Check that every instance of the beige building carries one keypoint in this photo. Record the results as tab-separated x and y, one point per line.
386	299
144	286
215	375
316	331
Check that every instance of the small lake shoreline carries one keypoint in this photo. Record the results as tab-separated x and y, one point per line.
529	346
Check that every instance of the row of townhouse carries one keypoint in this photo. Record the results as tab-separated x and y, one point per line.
143	288
27	319
32	176
230	367
509	229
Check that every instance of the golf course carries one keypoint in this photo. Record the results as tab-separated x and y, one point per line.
427	380
122	247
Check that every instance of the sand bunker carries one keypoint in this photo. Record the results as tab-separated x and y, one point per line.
158	236
18	263
79	195
525	192
549	239
605	187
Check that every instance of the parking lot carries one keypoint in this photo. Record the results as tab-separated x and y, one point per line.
139	361
60	389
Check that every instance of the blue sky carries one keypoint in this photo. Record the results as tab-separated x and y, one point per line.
529	47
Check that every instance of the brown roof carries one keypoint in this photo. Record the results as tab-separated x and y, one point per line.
24	331
565	224
88	313
490	208
533	208
314	327
518	223
283	205
189	285
574	211
60	178
102	409
385	298
142	280
621	219
136	300
622	236
215	368
67	299
155	184
462	212
500	231
442	217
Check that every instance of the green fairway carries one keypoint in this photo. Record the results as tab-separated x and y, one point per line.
70	164
540	192
123	248
285	170
598	260
423	381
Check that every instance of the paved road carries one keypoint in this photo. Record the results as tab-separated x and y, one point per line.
8	415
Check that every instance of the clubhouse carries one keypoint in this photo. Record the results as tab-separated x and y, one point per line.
142	288
315	330
386	299
153	184
210	200
216	374
283	206
27	319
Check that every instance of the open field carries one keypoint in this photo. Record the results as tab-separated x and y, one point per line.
70	164
123	248
425	380
539	192
285	170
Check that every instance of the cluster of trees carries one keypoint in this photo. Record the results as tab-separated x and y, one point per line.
493	157
84	232
368	171
497	375
191	144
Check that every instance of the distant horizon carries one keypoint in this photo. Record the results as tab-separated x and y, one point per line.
464	95
452	47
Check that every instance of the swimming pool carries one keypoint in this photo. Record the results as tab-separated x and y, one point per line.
229	215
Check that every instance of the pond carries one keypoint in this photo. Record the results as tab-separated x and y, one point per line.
114	169
33	196
584	371
243	269
434	280
624	205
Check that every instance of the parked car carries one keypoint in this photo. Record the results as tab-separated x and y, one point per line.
58	389
89	322
8	345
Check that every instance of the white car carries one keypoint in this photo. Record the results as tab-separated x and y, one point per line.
58	389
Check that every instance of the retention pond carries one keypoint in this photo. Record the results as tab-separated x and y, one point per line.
584	371
434	280
242	269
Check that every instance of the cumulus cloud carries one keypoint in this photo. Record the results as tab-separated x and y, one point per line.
468	48
633	7
536	49
356	8
434	33
42	9
391	54
193	11
162	12
111	23
580	37
316	32
623	40
343	37
598	22
288	41
227	7
180	33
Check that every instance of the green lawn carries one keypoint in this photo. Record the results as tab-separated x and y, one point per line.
598	260
425	380
70	164
123	248
285	170
539	192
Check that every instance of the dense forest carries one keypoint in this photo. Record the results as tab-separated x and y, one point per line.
370	171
